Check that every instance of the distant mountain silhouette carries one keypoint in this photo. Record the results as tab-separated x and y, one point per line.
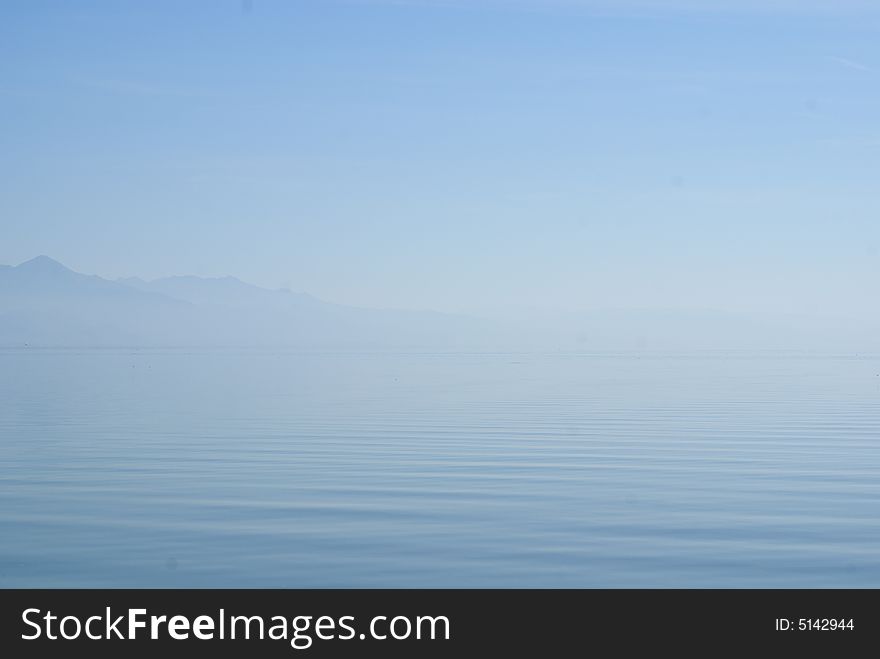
224	291
45	276
44	303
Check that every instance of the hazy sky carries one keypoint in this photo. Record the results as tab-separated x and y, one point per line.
460	156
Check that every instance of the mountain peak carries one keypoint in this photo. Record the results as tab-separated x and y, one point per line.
43	263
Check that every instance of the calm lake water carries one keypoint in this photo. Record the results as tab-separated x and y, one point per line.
171	468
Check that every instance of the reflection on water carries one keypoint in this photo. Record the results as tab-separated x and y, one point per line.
171	468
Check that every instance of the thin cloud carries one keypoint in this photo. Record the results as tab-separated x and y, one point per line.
850	64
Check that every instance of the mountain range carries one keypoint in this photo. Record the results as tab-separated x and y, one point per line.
44	303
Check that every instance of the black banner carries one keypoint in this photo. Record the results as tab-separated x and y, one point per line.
325	623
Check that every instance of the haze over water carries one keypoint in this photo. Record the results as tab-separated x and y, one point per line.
263	468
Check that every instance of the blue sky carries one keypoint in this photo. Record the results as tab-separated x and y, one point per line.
479	156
